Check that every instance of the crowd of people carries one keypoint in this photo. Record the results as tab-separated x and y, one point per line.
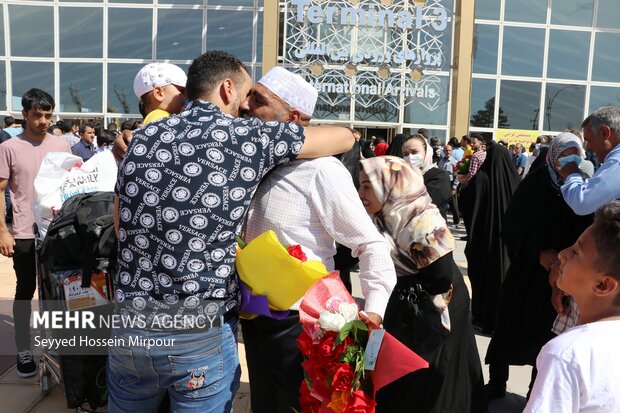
219	156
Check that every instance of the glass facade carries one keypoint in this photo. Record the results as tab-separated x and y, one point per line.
539	65
543	65
86	53
376	63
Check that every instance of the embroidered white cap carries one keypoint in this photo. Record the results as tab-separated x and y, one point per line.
158	74
291	88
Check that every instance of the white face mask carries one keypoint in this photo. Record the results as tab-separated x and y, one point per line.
414	160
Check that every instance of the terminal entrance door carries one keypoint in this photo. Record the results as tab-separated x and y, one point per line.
386	133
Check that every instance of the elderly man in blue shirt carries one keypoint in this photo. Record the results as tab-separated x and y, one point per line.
602	135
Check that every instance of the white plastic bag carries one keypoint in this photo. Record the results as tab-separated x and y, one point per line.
63	175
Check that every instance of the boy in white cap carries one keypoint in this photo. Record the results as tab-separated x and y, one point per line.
161	88
311	202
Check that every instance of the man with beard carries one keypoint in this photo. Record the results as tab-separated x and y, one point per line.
182	193
312	203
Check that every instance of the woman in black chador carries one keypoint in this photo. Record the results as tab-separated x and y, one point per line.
489	193
537	225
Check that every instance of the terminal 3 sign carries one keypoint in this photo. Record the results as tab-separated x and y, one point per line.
383	56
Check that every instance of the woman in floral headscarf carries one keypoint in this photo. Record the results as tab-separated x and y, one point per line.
429	308
537	225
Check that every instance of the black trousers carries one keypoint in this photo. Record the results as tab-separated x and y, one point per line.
453	205
274	363
25	270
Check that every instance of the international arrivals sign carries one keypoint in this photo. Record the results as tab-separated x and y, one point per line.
392	53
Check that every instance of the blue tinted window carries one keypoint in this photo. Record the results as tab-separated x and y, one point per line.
608	12
520	103
1	31
606	57
529	11
31	30
487	9
430	104
81	32
485	48
564	106
224	25
131	41
80	87
568	54
482	103
2	85
523	51
603	96
26	75
121	98
176	40
572	12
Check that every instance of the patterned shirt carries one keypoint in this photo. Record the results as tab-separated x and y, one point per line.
474	165
184	189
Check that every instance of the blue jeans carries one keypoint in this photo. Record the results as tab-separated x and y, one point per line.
200	370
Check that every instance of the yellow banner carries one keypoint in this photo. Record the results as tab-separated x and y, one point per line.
514	136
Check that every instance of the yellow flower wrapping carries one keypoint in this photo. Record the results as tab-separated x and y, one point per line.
267	268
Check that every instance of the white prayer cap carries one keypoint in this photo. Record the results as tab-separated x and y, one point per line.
291	88
158	74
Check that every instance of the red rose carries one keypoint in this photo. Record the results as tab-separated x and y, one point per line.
318	375
304	342
309	403
343	378
327	350
297	252
360	402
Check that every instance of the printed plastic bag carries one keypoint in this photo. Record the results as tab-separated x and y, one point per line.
63	175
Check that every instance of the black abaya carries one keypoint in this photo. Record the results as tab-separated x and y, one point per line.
537	219
453	382
490	191
438	186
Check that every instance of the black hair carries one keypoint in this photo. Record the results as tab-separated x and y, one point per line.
86	125
606	232
129	124
37	99
423	132
65	125
479	137
435	141
454	142
466	139
209	69
8	121
105	137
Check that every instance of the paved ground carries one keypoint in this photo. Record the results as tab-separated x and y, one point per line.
23	395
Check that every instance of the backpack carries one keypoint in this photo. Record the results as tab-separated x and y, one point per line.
82	235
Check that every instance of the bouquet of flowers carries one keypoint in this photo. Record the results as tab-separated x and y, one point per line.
346	359
273	277
462	167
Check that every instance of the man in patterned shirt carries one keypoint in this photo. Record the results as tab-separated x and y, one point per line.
310	202
183	192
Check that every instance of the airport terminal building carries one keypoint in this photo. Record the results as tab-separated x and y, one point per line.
451	66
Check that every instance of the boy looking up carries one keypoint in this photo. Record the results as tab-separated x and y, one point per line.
577	369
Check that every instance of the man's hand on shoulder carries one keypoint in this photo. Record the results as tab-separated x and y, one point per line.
119	149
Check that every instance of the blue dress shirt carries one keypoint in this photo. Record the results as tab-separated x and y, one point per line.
586	196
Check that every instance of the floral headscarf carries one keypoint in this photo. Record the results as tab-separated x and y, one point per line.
412	225
558	145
